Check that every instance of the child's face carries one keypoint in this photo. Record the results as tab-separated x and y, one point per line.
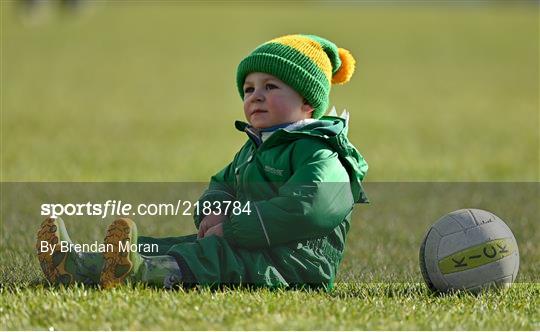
268	102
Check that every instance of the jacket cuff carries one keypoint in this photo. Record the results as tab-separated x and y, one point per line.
246	230
228	232
210	195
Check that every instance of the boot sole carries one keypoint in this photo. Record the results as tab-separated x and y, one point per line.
53	266
118	264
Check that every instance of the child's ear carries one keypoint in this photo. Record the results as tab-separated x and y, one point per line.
307	108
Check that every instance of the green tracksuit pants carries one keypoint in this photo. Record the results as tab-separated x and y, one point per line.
213	261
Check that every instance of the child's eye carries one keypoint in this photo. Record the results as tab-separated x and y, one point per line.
271	86
248	90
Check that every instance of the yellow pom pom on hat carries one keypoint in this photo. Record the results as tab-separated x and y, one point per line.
309	64
345	72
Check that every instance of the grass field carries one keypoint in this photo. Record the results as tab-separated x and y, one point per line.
444	108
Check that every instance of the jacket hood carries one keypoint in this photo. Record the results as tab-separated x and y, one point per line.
333	131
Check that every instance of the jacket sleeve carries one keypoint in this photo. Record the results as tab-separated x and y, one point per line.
221	188
313	201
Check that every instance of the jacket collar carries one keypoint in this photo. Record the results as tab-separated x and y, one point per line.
258	136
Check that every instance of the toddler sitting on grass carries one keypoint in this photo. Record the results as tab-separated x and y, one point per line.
297	173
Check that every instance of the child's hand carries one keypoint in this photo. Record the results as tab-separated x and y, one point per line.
209	222
216	230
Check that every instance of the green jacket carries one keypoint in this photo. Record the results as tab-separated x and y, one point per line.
301	186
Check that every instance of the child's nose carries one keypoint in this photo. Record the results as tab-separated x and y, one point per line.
257	95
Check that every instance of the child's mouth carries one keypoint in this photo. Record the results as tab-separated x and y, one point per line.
258	112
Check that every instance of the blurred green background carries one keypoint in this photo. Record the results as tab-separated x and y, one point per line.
146	91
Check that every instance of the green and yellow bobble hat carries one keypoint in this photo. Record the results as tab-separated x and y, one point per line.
307	63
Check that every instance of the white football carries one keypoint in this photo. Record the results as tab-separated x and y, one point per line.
469	249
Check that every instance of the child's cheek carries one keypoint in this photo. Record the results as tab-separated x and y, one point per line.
278	107
246	112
